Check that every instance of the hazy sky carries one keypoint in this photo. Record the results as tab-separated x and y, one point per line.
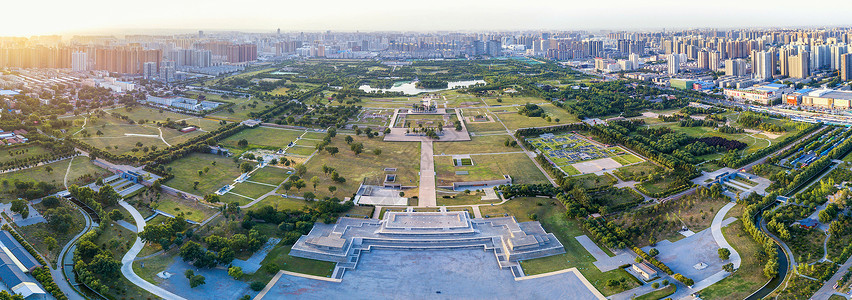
30	17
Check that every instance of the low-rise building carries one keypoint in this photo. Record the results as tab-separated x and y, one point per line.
644	270
764	94
832	99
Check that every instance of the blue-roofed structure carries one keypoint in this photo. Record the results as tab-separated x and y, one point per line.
13	269
11	246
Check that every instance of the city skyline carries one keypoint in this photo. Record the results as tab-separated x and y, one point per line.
159	16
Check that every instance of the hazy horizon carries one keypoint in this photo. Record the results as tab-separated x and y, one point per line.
26	18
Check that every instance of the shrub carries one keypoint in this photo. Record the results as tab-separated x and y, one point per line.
257	286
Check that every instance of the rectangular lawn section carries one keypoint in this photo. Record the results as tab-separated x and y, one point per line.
253	190
269	175
490	167
477	144
282	203
191	209
149	114
303	151
552	216
242	108
404	156
515	120
263	137
186	173
21	152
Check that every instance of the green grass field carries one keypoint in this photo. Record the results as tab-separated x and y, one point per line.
404	156
490	167
551	214
263	137
269	175
186	173
242	108
21	152
514	120
253	190
149	114
477	144
281	203
192	210
280	256
82	172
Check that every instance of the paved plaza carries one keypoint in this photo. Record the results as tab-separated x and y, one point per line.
432	274
597	165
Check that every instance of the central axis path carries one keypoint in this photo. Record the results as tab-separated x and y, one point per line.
427	196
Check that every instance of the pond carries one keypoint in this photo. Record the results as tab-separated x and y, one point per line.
410	87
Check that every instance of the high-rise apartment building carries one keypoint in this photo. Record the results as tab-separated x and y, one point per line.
714	61
846	67
762	64
800	65
673	63
735	67
79	61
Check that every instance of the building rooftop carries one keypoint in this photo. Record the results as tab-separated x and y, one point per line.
833	94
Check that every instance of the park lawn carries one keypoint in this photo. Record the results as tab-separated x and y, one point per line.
174	137
359	211
315	135
115	238
269	175
282	203
252	190
480	127
231	198
186	173
630	158
637	171
620	160
280	256
507	99
589	181
191	209
29	150
204	124
82	172
515	120
662	293
749	277
462	198
658	186
665	220
404	156
552	216
242	110
571	170
151	115
154	265
37	233
490	167
263	137
754	143
302	151
477	144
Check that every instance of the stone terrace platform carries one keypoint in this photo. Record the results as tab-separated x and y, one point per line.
509	240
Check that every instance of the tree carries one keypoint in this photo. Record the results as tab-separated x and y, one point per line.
190	251
331	189
653	252
332	150
245	167
211	198
377	152
195	185
309	196
314	182
301	170
50	201
724	253
299	184
242	143
348	139
729	267
20	206
226	256
51	243
116	215
49	169
107	196
356	148
196	281
235	272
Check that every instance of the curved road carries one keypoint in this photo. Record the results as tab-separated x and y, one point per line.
716	229
58	271
127	260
